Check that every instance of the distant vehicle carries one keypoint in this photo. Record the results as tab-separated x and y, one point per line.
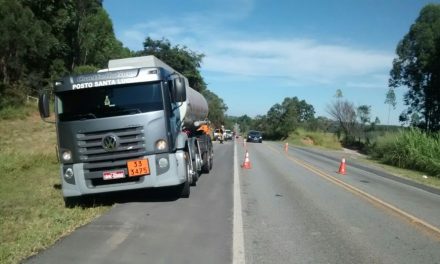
228	134
217	134
254	136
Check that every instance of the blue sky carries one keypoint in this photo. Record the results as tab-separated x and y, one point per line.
260	51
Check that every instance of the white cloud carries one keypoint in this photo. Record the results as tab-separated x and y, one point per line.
295	58
239	53
193	23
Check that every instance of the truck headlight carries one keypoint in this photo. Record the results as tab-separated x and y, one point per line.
66	155
161	144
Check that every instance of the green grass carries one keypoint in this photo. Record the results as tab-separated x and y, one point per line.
301	137
416	176
410	149
409	154
11	113
32	210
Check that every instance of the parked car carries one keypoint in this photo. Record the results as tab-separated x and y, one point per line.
228	134
254	136
217	134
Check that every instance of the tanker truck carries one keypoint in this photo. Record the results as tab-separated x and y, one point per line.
134	125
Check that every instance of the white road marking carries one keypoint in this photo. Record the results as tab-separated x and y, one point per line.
238	255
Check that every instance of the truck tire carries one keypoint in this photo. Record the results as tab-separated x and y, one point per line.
210	155
206	163
185	188
195	178
195	172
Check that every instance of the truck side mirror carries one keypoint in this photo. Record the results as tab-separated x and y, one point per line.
179	89
43	105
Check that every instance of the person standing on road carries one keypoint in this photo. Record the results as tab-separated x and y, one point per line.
222	133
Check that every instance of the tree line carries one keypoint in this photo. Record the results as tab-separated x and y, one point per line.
349	122
43	40
40	41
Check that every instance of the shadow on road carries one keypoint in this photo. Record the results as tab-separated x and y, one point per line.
152	195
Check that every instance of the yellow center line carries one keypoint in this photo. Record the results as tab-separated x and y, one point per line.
432	230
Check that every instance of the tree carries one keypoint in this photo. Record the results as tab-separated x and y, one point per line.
390	101
275	122
260	123
338	94
43	40
182	59
363	112
245	122
377	121
97	42
374	124
414	119
23	45
217	108
344	113
82	32
188	63
320	123
284	118
417	67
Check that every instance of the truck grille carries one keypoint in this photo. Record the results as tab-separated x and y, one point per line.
131	144
97	159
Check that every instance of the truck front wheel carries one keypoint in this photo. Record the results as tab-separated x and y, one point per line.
185	188
206	163
211	158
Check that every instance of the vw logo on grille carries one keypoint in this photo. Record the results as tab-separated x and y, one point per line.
110	142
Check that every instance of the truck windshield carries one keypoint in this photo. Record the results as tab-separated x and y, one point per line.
109	101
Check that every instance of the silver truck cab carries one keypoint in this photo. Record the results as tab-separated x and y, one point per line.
121	130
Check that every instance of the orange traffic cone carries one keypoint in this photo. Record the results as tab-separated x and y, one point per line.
246	163
342	167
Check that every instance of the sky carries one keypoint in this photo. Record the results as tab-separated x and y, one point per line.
258	52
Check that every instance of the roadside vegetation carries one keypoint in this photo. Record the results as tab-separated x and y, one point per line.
302	137
32	210
11	112
410	149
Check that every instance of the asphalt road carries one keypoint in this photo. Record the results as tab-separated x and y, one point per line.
295	213
288	208
154	227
